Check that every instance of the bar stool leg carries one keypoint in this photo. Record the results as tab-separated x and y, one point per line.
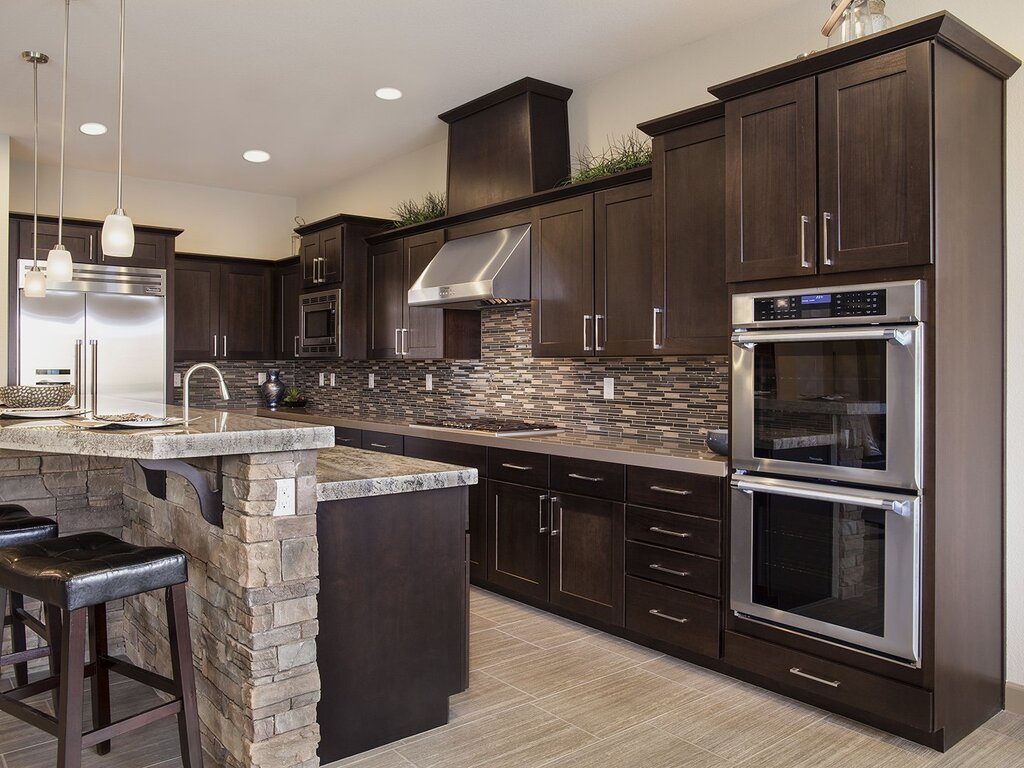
18	642
53	632
101	680
72	684
3	619
184	677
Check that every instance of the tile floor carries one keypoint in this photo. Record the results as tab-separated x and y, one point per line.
545	692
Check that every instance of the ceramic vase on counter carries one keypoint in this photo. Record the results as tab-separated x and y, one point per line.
272	389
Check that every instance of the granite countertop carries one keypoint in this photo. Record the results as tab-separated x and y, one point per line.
351	473
673	455
212	433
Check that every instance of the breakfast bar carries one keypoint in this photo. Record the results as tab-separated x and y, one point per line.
254	578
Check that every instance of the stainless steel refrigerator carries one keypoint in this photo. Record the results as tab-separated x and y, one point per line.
105	329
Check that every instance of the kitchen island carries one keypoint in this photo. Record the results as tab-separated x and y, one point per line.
240	495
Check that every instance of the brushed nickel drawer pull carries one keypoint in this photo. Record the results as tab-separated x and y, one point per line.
660	615
517	466
800	673
574	476
379	445
541	528
667	532
663	569
673	491
344	439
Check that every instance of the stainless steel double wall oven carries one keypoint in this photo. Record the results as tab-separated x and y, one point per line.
827	453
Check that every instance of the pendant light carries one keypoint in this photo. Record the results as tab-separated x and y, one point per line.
35	279
58	260
118	236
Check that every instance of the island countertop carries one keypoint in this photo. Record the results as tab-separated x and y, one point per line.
351	473
211	433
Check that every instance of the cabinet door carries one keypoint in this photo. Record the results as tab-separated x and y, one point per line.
309	257
771	183
623	266
587	544
387	298
246	312
196	309
424	326
151	252
332	253
875	148
689	242
518	525
562	275
289	287
82	241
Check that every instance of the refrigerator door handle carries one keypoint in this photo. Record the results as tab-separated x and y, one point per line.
79	382
94	377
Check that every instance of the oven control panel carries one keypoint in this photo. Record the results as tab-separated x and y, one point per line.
806	306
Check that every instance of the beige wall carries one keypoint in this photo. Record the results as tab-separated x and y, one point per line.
218	221
678	80
5	186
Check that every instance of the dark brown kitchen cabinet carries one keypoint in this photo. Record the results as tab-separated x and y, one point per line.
387	300
423	328
152	251
224	309
832	173
689	309
382	442
82	241
518	531
153	245
287	287
322	256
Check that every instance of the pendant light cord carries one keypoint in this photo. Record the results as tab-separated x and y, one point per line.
35	165
63	114
120	113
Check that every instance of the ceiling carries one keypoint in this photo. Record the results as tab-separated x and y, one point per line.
208	79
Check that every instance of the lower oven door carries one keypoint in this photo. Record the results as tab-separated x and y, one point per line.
842	564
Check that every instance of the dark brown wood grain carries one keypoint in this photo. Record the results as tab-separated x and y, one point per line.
382	442
287	288
425	325
197	308
663	565
599	479
520	467
700	632
387	300
246	311
518	524
688	532
676	491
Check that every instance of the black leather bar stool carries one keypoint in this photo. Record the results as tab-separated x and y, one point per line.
18	526
77	576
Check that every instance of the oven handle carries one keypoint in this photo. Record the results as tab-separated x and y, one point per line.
901	507
900	336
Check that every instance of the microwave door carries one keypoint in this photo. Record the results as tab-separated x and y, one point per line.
838	564
319	324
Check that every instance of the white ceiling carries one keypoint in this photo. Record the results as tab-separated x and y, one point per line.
208	79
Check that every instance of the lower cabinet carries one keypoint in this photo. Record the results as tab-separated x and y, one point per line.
519	522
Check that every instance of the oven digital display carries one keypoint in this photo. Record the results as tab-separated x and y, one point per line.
817	298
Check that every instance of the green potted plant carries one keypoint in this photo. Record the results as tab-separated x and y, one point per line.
409	212
293	398
623	153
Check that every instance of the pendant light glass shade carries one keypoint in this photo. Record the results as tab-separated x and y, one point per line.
58	265
118	236
35	283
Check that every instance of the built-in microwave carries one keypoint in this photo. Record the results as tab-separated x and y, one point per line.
319	324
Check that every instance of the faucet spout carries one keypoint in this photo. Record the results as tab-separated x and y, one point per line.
188	375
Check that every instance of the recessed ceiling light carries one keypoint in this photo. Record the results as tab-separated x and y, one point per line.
93	129
256	155
389	94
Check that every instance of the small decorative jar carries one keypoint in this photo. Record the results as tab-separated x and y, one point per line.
272	389
861	18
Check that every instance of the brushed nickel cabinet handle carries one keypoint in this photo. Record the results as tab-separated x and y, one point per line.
225	350
551	515
295	346
215	345
587	347
800	673
91	257
667	532
804	262
654	332
574	476
673	491
380	445
598	319
398	348
405	341
663	569
826	219
541	528
660	615
517	466
343	439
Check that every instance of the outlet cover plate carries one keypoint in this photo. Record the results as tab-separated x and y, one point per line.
430	382
609	388
369	382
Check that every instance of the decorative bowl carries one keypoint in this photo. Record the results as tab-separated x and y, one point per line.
718	441
42	396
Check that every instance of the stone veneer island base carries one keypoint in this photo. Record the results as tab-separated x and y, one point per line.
254	583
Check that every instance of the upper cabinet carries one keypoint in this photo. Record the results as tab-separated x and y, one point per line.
832	173
327	246
153	245
321	257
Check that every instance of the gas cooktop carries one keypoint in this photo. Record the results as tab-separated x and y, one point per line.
493	427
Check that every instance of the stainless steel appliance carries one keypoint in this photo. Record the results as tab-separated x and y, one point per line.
319	324
108	325
826	504
827	385
492	427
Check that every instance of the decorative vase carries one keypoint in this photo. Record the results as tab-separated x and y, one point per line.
272	389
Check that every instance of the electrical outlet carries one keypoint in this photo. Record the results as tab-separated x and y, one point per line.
323	376
261	378
285	501
333	382
370	382
177	379
609	388
430	382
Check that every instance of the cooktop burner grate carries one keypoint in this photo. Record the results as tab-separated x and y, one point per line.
495	427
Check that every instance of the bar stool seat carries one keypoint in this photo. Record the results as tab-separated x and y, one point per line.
19	526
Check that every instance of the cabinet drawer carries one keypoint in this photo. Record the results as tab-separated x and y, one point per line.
673	616
384	442
448	452
677	569
348	437
675	530
678	491
588	478
520	467
844	685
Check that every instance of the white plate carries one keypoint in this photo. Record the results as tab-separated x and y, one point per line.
40	413
141	424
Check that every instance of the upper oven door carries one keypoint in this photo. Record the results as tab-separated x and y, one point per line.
319	322
839	563
833	404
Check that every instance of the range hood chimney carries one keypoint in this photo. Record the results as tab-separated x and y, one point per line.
489	269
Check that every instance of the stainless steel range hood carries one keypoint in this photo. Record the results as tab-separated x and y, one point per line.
490	269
